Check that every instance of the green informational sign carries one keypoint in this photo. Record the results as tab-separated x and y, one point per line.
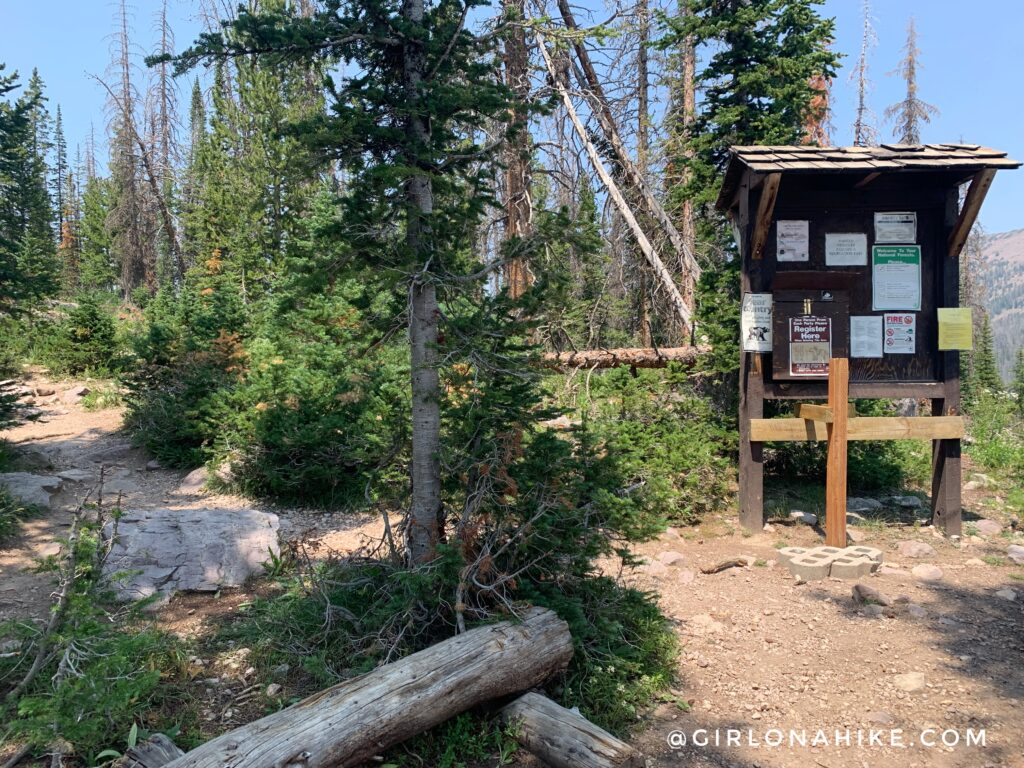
896	277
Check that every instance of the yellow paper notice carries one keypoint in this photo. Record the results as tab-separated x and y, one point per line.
955	328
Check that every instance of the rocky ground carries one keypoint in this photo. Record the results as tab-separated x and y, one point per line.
933	652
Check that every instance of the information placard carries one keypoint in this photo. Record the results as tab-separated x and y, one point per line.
896	227
756	322
900	333
846	249
810	345
956	328
792	240
896	277
866	336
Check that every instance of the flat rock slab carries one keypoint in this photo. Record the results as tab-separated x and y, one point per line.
31	489
199	550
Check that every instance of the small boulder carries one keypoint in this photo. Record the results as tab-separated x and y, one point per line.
862	594
803	517
915	549
76	475
44	391
927	572
975	562
194	482
916	611
853	518
274	690
671	558
75	394
986	527
855	536
880	717
906	502
655	569
858	505
1007	594
910	682
1016	553
153	464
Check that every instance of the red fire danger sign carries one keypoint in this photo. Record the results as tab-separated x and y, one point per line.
810	345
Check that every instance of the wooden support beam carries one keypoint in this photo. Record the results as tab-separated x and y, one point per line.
860	428
818	412
765	211
835	465
867	180
969	212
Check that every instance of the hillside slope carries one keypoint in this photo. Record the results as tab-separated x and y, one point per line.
1004	280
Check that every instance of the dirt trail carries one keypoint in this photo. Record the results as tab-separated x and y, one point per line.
761	654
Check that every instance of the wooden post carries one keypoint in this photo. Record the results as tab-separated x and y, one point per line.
751	458
835	476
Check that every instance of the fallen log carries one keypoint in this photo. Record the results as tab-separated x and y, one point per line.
638	357
562	738
351	722
155	752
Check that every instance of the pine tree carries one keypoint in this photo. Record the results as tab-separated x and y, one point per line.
770	58
59	172
986	373
27	262
97	265
912	111
417	189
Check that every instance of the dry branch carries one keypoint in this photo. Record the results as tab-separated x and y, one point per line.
359	718
639	357
562	738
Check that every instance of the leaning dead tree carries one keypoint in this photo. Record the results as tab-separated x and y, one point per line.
650	254
599	105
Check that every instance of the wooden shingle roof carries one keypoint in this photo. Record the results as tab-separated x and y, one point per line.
884	158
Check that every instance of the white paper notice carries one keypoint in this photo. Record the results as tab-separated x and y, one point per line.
866	336
846	249
756	322
896	277
896	227
791	241
900	333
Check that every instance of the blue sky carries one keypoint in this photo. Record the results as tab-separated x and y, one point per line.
969	53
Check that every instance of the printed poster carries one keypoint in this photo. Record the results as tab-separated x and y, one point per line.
865	336
846	249
956	328
792	240
899	227
756	322
900	333
896	277
810	345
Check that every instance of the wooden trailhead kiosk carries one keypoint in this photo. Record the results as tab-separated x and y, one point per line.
850	280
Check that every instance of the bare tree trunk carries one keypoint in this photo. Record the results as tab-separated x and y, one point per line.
425	525
518	218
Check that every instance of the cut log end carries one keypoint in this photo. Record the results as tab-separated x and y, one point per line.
562	738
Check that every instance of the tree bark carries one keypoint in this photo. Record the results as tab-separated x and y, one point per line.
616	358
562	738
663	275
425	524
357	719
518	218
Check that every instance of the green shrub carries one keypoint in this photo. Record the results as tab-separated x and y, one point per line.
84	342
997	432
665	435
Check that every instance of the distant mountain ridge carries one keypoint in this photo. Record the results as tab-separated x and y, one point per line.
1004	283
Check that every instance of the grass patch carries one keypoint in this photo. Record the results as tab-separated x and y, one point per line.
12	512
994	560
102	397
